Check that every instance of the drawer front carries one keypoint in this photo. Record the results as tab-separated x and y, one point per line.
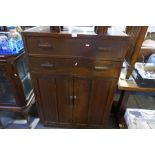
57	65
98	48
81	67
105	68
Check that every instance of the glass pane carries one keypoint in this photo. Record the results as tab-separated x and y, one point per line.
27	85
24	76
6	92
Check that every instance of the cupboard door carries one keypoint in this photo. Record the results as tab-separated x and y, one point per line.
53	94
45	91
81	100
100	100
64	91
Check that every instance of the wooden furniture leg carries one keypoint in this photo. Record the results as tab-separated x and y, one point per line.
1	125
27	117
121	107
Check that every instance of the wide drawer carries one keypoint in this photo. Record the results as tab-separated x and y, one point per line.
81	67
110	49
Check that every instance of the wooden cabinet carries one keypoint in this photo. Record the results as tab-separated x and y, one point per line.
16	93
74	79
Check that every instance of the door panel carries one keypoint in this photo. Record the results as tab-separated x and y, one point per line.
98	101
89	103
81	100
64	90
47	94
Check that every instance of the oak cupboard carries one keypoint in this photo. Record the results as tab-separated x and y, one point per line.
74	76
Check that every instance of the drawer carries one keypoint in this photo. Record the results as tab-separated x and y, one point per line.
109	49
81	67
57	65
102	68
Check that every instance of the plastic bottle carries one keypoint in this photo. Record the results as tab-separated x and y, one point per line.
4	45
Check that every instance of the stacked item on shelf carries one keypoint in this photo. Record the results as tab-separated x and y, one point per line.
144	74
10	42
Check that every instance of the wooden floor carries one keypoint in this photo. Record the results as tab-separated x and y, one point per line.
141	101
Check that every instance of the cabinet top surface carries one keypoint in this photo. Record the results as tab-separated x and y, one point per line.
45	30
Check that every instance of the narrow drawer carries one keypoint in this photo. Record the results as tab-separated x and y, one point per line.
101	69
81	67
107	49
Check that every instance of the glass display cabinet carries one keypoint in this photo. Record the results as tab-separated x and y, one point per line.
16	92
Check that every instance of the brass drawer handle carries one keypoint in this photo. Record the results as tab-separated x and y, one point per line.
104	49
101	68
47	65
45	45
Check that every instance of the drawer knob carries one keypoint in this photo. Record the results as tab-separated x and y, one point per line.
45	45
76	64
101	68
47	65
87	45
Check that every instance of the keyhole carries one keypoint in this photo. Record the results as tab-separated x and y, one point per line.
87	45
